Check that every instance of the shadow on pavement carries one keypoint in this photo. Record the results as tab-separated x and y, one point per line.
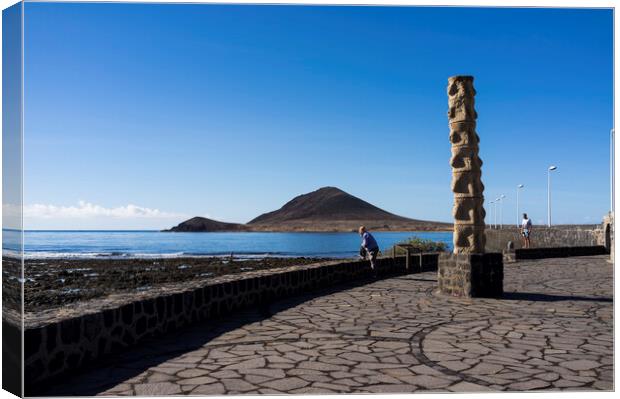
113	370
533	296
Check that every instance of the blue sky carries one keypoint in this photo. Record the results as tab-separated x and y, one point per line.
230	111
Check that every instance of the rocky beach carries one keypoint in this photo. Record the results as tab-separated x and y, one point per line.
54	283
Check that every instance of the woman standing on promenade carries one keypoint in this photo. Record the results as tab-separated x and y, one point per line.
526	230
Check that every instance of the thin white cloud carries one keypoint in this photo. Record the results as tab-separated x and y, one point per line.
85	210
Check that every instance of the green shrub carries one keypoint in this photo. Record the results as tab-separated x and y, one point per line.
419	244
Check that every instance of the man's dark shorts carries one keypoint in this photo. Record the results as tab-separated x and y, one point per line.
372	254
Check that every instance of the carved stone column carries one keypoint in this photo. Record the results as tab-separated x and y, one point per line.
468	271
467	185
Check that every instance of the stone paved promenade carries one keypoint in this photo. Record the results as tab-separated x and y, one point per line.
551	331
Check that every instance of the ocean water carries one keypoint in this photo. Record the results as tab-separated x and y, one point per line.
145	244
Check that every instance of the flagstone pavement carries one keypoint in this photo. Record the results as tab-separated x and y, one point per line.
551	331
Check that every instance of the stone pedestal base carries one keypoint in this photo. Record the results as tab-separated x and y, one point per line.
471	275
509	256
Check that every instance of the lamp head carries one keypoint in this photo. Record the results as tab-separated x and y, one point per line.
520	186
553	167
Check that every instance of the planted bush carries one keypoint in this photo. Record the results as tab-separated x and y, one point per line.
418	245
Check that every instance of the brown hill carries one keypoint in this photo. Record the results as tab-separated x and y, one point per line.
198	223
326	209
331	209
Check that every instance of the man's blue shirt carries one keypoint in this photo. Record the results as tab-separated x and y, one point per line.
369	242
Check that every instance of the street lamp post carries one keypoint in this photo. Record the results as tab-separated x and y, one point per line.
491	203
551	168
501	211
519	187
498	201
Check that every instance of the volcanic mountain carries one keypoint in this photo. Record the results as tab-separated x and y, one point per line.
331	209
326	209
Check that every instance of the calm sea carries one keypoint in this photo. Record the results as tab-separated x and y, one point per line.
144	244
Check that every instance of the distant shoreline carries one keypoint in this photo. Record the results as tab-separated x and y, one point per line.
318	231
87	257
506	227
223	231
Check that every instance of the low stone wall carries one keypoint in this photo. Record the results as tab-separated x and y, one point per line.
61	345
471	275
559	252
545	237
608	234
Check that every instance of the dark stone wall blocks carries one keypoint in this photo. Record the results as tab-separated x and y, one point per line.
559	252
471	275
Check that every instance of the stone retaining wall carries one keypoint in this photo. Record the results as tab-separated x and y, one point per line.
608	234
545	237
559	252
67	344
